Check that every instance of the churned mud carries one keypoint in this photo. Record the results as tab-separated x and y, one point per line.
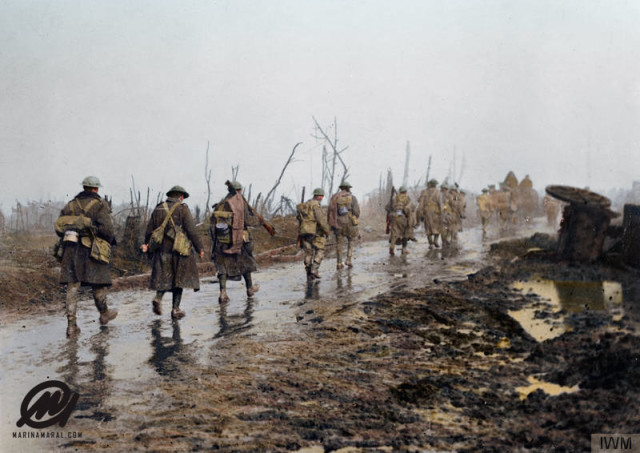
480	347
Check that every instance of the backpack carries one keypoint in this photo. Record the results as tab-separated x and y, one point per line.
157	235
306	219
222	225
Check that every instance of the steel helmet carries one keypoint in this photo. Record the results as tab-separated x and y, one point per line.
236	185
178	189
318	191
433	182
344	184
402	189
91	181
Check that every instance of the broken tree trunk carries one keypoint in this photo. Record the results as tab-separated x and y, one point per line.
584	223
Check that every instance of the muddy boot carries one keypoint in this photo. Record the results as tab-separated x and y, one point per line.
339	265
107	316
72	328
310	277
315	273
157	302
251	288
176	313
435	241
405	251
392	251
223	296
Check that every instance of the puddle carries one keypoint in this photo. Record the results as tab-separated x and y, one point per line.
567	296
546	387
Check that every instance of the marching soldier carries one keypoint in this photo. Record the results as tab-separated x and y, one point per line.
313	231
232	250
484	209
430	210
344	212
453	214
447	214
402	220
86	231
171	237
502	200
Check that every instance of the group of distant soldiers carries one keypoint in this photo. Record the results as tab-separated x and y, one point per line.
441	210
514	202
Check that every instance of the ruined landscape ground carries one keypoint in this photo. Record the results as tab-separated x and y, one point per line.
430	364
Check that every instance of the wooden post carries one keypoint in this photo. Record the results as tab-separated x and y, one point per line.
631	235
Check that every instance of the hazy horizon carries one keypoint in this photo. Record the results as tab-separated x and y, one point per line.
119	89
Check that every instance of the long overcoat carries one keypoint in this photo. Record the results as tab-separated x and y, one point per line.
77	264
169	269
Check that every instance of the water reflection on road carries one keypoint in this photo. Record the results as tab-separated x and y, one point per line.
108	365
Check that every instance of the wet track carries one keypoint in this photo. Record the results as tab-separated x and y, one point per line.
115	368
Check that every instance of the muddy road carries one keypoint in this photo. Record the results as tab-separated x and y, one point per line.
404	352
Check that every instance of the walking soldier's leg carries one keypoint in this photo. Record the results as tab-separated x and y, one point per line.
100	299
222	280
176	313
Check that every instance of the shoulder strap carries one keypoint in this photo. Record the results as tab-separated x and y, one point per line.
86	208
168	217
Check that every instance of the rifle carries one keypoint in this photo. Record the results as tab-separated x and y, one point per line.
267	226
393	192
299	239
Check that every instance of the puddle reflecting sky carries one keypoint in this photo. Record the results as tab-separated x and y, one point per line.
570	296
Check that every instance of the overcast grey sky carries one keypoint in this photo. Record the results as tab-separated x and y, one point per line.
116	88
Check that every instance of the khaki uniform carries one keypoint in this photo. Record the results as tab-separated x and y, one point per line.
313	244
77	267
502	204
485	209
452	217
401	221
344	212
430	209
169	270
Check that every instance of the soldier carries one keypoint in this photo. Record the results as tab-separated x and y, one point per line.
551	209
344	212
86	231
402	220
173	269
453	213
232	241
313	231
447	214
484	209
430	210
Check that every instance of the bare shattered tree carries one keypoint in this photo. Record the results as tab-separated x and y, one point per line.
331	159
207	178
266	207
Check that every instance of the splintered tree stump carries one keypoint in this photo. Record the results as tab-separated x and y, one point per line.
131	239
584	223
631	235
